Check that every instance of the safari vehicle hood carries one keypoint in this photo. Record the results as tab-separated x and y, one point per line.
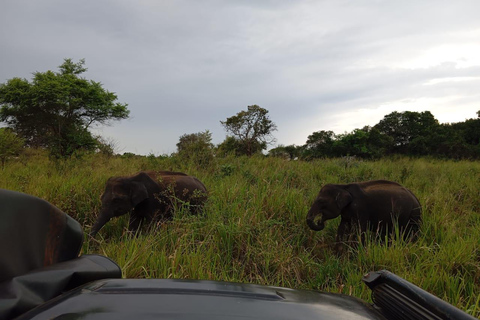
138	299
183	299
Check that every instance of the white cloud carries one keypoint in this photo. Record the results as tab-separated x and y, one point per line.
435	81
463	55
447	110
182	66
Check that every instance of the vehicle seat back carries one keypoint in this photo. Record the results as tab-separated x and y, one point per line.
34	234
39	254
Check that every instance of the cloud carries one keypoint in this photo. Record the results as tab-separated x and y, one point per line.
182	66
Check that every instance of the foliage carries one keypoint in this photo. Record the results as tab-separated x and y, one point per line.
251	129
403	133
366	143
254	230
238	147
320	144
105	146
10	145
56	109
290	152
196	147
407	126
129	155
229	146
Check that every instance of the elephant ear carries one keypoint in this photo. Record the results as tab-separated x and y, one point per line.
138	193
343	198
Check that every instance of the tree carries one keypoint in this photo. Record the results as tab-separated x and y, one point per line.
320	144
57	109
463	138
367	143
290	152
229	146
378	144
353	144
196	147
10	145
252	129
407	126
279	152
106	146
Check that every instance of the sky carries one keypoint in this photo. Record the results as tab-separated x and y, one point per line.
183	66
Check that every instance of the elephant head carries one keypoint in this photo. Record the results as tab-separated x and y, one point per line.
121	195
328	205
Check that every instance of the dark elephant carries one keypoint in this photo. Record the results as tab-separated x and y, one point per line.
150	195
372	205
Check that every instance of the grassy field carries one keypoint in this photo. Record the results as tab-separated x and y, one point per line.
254	229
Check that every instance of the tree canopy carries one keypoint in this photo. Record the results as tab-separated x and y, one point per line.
406	127
56	109
406	133
252	129
196	147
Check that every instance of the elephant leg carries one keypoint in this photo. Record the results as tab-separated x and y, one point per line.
135	223
344	225
411	231
362	230
342	228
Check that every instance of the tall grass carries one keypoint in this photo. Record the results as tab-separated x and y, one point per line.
254	231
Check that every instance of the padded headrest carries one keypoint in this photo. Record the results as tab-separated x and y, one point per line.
34	234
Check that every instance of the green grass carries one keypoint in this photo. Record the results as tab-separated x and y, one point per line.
254	230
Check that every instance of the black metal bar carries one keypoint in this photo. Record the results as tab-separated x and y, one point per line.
399	299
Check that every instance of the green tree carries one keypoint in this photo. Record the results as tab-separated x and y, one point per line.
196	147
320	144
294	151
252	129
105	146
367	143
378	144
56	109
462	139
10	145
229	146
290	152
405	127
353	144
279	152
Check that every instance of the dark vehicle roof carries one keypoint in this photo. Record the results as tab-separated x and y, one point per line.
183	299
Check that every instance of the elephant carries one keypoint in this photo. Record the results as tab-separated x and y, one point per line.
372	205
149	195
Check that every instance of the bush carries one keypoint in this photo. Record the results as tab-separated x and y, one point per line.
196	148
10	145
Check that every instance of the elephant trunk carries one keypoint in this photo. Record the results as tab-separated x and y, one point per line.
315	226
315	219
102	219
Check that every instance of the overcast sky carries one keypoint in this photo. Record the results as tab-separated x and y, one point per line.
183	66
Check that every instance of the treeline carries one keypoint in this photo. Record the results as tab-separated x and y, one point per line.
56	110
398	133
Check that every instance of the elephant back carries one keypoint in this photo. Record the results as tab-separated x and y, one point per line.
171	173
